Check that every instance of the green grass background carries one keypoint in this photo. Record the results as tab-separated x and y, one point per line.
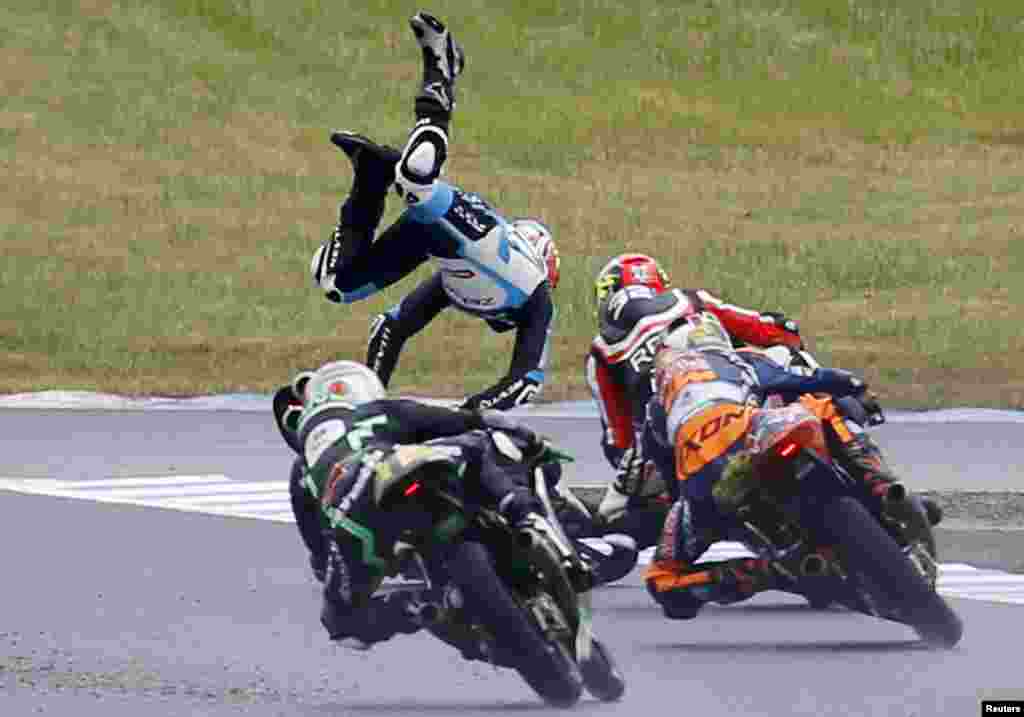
856	164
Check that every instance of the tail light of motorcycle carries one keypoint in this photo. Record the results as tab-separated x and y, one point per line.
788	449
412	488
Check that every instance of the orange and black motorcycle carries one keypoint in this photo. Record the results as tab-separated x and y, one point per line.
797	507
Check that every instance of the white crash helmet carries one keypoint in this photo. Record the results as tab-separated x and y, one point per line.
539	237
698	332
339	382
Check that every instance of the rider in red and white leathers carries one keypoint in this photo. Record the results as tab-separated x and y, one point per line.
635	307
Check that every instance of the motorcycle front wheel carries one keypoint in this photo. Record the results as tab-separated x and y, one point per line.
869	550
547	667
601	675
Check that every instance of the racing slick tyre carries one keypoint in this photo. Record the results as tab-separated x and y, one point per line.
872	552
601	675
547	668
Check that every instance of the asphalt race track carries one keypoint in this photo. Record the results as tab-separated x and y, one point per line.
84	444
116	609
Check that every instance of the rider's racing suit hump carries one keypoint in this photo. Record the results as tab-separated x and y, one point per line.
689	382
331	435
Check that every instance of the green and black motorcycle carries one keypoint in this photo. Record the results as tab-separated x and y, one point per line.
518	599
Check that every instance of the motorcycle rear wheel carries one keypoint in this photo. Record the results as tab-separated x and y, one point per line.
872	552
547	668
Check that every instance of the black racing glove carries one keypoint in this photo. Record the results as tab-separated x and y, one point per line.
845	383
630	471
286	412
873	409
859	388
380	619
507	393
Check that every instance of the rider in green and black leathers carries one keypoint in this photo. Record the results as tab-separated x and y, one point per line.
342	426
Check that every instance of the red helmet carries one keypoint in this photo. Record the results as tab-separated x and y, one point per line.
629	270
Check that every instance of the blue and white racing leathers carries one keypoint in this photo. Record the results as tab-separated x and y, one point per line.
485	267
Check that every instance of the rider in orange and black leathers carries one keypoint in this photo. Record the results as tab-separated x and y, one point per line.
635	305
709	392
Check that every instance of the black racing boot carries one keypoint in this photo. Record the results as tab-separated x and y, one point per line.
443	62
740	578
384	346
677	605
863	459
373	167
373	164
898	504
911	513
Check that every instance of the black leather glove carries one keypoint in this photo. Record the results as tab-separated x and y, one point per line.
629	474
507	393
875	415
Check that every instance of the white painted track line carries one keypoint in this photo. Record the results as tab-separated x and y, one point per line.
270	501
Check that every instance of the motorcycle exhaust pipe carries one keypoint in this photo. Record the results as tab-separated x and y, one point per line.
813	566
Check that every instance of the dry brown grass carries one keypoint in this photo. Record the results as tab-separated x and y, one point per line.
665	192
676	200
